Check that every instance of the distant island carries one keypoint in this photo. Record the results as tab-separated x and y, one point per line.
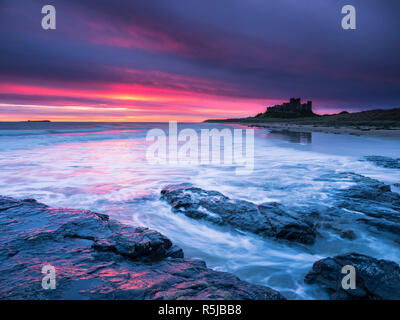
300	115
38	121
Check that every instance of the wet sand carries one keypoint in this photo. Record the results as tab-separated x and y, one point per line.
361	130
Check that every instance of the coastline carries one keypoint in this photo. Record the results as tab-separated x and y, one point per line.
294	116
353	130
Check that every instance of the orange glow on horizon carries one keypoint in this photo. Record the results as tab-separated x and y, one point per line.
125	103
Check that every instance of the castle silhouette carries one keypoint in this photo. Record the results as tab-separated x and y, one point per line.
292	109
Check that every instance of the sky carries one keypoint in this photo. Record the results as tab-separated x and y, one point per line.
190	60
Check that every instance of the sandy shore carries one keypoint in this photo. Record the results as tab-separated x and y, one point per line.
362	130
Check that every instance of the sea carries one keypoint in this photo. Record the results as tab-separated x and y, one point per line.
105	167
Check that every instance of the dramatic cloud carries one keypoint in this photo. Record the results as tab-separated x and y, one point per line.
156	60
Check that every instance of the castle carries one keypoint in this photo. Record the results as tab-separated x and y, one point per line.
292	109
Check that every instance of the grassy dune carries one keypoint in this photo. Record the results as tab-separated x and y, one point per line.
385	119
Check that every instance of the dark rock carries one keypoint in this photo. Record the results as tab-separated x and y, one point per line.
384	162
283	225
382	225
268	219
375	279
348	234
370	189
366	202
378	205
98	258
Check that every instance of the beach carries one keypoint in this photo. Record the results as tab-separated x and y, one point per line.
353	130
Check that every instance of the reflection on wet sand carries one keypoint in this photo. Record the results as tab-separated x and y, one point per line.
291	136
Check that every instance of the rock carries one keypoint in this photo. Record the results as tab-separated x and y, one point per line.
365	202
268	219
375	279
384	162
98	258
348	234
382	225
370	189
283	225
372	203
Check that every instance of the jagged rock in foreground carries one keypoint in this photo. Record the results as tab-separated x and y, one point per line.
268	219
98	258
375	279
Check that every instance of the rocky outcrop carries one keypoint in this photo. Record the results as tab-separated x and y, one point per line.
384	162
375	279
371	190
98	258
378	205
267	220
367	201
